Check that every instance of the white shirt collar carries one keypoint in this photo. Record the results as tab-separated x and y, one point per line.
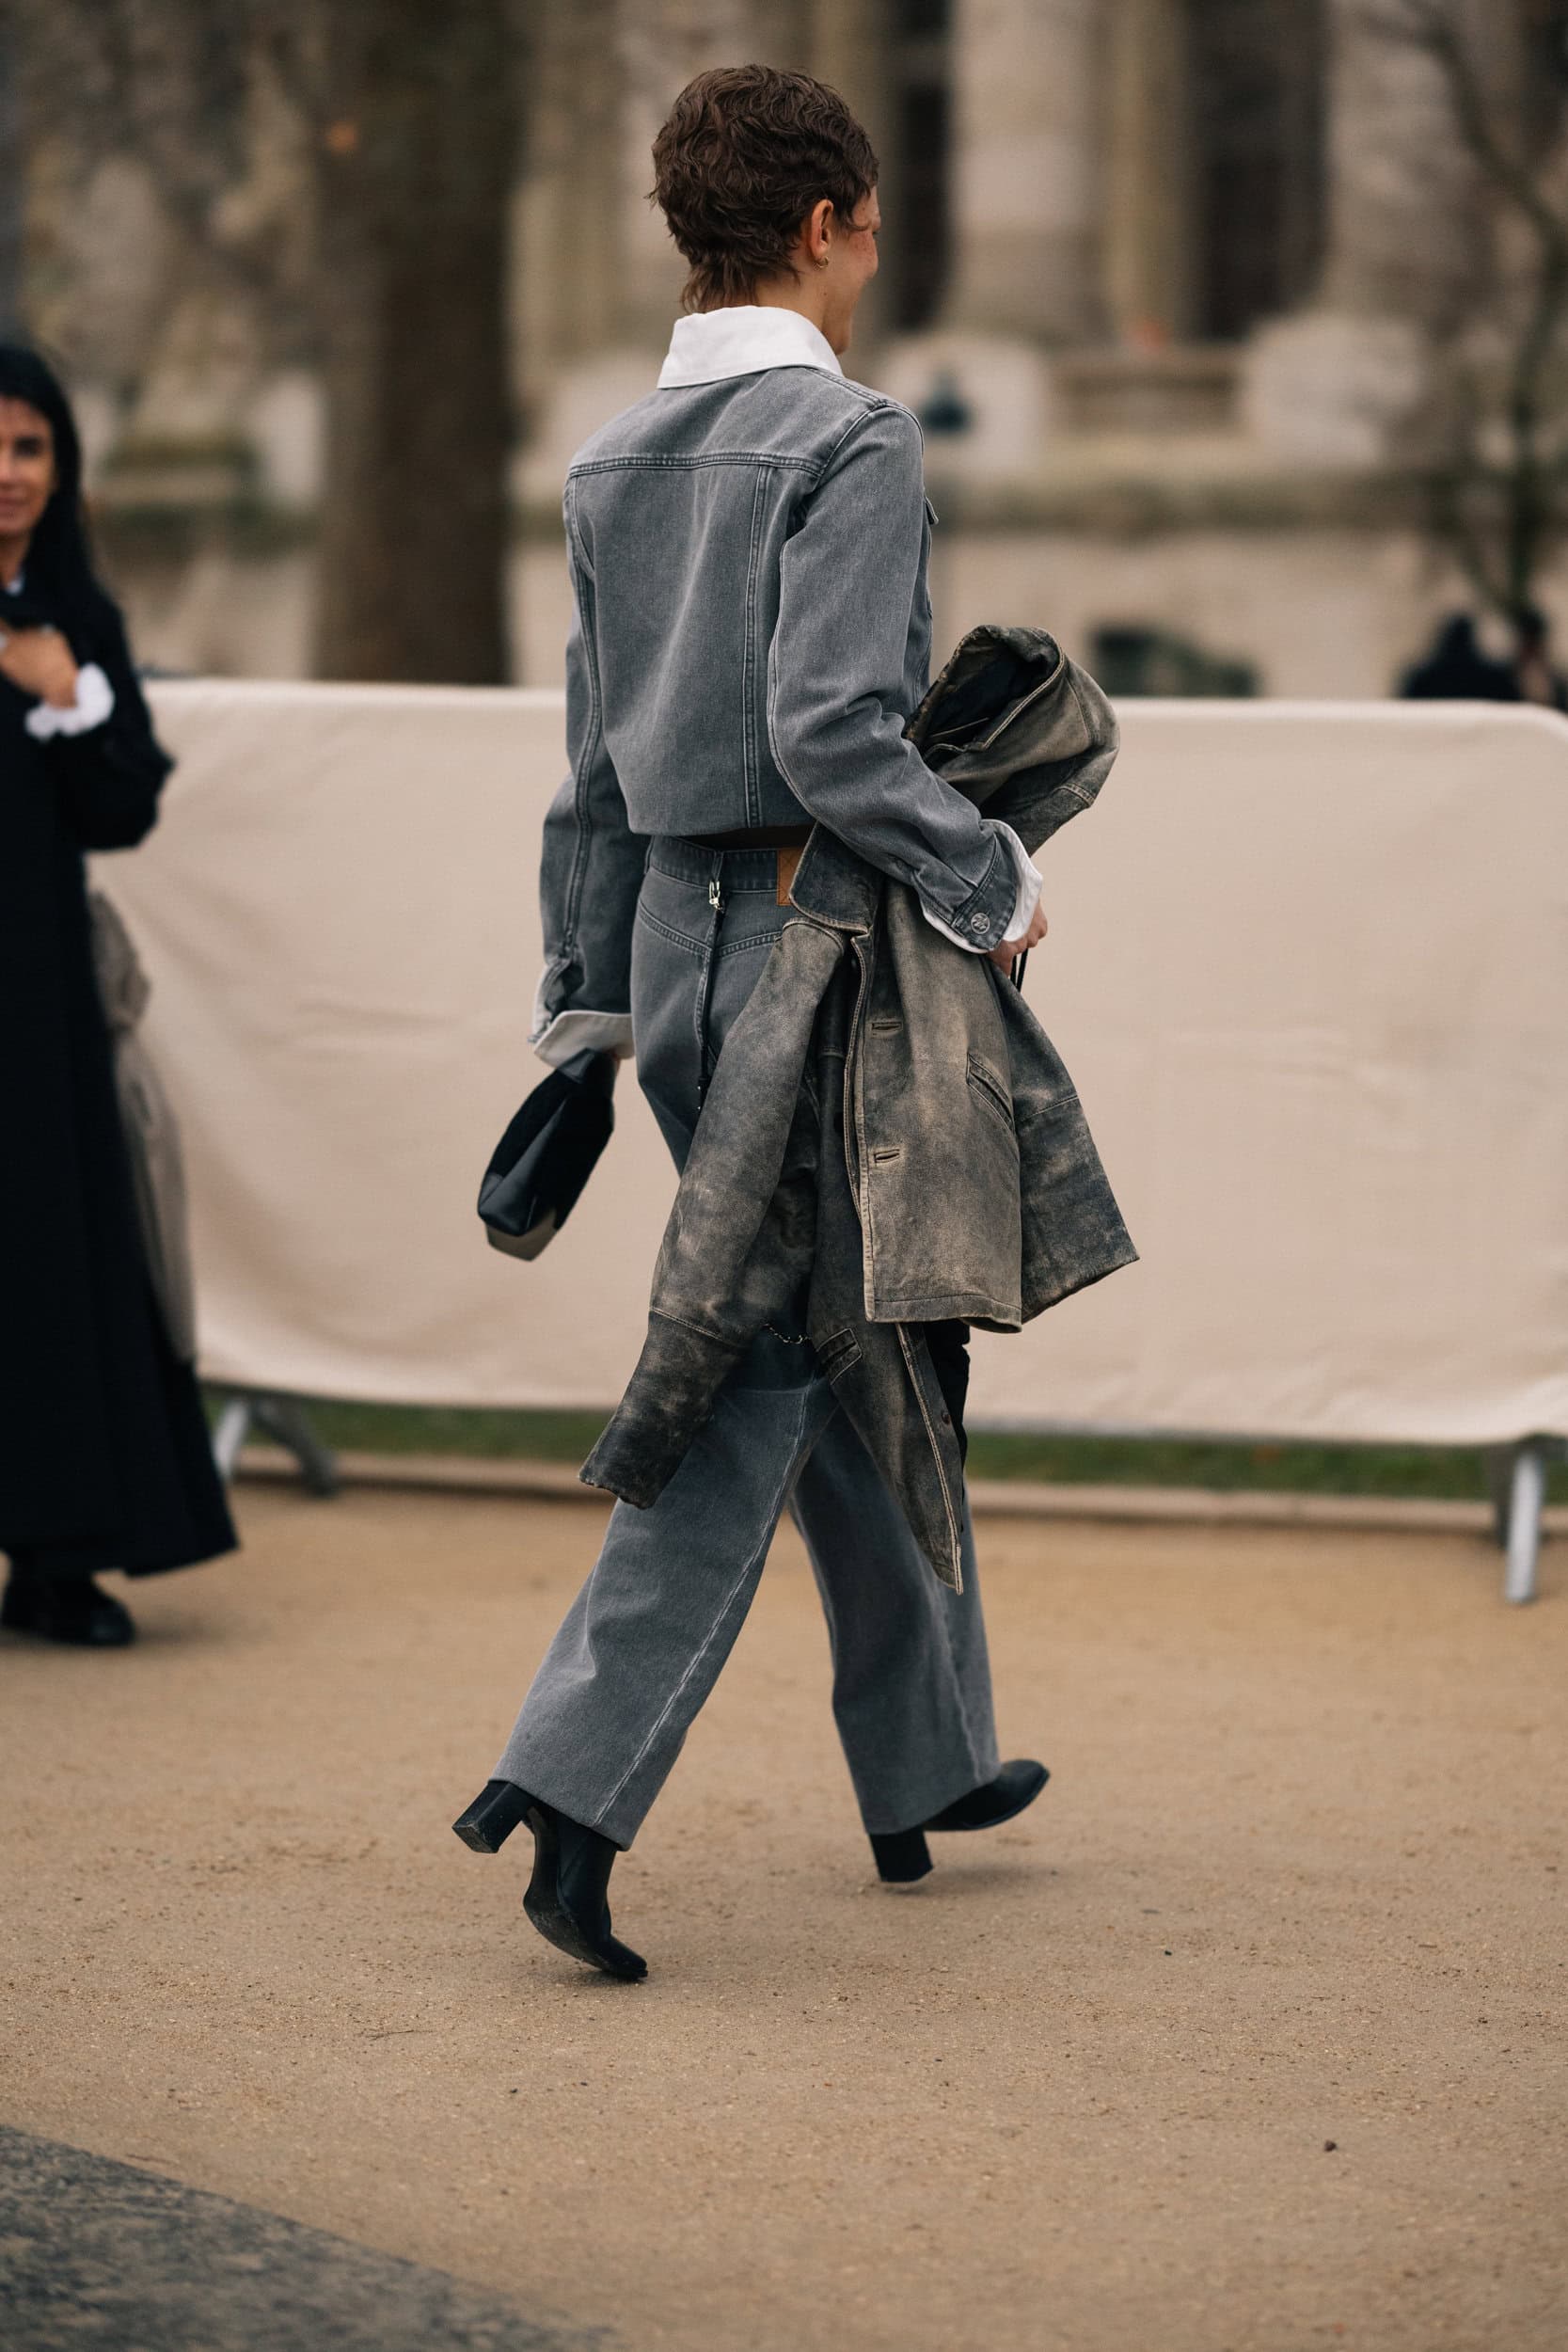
742	340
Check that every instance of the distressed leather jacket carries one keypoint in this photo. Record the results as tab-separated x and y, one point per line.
889	1140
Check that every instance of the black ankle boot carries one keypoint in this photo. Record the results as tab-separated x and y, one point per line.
1015	1785
567	1894
66	1608
902	1855
495	1813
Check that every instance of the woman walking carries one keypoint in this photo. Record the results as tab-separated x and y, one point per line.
748	549
104	1461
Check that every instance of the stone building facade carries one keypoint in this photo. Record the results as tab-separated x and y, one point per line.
1163	279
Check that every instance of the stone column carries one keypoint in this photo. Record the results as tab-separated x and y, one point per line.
842	45
568	258
1149	191
845	46
585	346
660	47
1025	128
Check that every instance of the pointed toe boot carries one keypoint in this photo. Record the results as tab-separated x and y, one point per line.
567	1896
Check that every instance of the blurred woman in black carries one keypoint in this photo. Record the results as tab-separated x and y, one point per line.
104	1461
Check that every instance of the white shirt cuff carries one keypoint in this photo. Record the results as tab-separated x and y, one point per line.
1029	884
95	700
579	1032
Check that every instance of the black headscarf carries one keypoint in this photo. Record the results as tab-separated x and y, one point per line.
59	584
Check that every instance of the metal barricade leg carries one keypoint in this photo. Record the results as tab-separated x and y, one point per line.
1525	1499
287	1421
1499	1485
234	1427
284	1418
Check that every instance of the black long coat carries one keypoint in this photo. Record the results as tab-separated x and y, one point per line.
104	1460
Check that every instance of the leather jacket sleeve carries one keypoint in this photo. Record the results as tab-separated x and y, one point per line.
849	578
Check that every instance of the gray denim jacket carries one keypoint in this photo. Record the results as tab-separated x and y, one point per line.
753	629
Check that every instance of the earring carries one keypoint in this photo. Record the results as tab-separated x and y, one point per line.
823	260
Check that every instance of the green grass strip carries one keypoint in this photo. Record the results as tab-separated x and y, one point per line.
495	1436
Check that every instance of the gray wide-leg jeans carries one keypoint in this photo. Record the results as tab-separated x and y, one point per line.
643	1645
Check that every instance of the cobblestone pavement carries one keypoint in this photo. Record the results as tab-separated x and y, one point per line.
1248	2038
99	2257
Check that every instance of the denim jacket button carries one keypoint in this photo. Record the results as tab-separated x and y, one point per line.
977	922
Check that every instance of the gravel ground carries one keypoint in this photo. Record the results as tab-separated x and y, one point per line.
1247	2039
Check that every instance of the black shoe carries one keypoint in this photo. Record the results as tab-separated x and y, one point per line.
65	1609
1015	1785
566	1896
493	1816
903	1855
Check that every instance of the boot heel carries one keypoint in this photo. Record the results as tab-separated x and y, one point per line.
902	1856
495	1813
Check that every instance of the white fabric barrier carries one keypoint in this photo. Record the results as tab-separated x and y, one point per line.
1308	964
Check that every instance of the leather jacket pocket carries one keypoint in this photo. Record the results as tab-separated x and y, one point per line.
989	1088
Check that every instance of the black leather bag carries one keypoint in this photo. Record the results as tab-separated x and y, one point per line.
547	1154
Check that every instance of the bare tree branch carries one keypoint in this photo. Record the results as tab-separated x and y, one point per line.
1499	521
1432	26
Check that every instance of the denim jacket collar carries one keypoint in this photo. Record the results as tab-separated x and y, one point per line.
742	340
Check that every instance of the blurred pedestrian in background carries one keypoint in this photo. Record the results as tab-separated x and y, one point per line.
1536	677
104	1460
1457	671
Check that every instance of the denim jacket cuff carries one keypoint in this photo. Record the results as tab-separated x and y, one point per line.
983	918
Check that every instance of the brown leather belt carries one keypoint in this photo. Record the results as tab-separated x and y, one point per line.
788	840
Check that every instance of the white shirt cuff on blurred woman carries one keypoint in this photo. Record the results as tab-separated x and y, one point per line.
95	701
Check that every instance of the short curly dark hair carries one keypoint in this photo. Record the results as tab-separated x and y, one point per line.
744	154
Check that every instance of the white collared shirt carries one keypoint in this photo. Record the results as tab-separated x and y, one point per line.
743	339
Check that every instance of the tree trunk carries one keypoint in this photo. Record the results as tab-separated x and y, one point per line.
416	156
11	182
